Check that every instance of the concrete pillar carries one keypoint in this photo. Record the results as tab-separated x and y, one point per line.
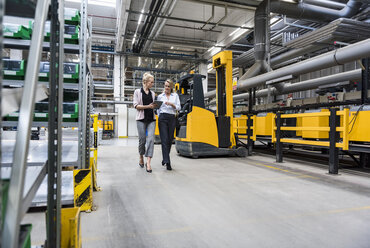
118	77
118	93
204	71
122	120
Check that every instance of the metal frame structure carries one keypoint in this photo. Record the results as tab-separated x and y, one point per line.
15	202
55	121
1	87
18	200
84	91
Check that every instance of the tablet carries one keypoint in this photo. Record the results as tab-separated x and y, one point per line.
158	103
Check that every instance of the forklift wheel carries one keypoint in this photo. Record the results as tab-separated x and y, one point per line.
241	151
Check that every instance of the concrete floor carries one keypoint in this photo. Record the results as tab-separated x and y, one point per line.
220	202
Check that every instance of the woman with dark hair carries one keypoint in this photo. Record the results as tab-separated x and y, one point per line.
167	120
145	120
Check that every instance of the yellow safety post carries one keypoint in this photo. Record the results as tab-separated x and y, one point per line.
273	126
71	229
254	127
94	160
83	189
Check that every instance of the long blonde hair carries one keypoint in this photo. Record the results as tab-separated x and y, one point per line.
146	77
170	82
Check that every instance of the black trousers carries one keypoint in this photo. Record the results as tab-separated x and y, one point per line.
166	124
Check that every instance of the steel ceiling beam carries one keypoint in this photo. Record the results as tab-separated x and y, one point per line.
187	20
196	29
246	5
172	42
159	56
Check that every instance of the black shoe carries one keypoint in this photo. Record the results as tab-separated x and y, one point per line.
169	166
141	165
163	163
149	171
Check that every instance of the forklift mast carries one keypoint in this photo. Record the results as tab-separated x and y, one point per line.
222	62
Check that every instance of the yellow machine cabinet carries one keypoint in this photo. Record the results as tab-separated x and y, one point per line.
360	127
264	124
240	123
316	121
195	131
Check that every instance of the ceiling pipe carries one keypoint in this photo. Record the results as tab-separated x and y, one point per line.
155	7
161	22
245	4
221	20
326	4
298	11
340	56
209	19
305	85
302	10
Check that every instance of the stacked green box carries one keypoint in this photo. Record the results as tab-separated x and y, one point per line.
13	69
70	112
71	33
16	31
41	113
72	16
70	72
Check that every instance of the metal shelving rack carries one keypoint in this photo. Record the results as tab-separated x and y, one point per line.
22	189
1	87
84	90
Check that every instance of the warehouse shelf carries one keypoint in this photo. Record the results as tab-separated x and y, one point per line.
25	173
34	177
25	44
38	124
20	83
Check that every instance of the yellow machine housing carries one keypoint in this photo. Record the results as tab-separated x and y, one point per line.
240	123
264	124
316	121
360	131
223	63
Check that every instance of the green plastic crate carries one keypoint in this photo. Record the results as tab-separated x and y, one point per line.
41	113
72	16
16	31
70	72
71	33
14	69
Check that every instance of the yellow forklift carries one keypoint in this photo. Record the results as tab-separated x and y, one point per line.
202	132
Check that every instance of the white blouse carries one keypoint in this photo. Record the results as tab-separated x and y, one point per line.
174	98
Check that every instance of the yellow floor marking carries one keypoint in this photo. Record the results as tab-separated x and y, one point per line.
272	179
288	171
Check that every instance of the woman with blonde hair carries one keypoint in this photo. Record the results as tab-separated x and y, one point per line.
145	120
167	120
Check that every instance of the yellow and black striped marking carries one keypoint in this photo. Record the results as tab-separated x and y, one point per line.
82	189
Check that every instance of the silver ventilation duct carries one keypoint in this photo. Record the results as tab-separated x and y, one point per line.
294	10
340	56
305	85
